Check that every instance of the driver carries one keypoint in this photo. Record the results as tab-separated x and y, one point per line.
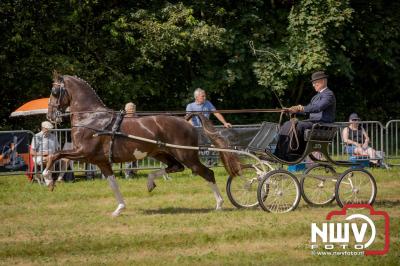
321	109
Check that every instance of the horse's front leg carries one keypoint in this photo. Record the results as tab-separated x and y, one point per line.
107	171
51	158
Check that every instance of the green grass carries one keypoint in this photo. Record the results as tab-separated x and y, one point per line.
174	225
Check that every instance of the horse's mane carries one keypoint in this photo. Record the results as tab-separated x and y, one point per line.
87	83
57	78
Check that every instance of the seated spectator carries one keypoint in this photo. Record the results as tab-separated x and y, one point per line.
130	110
357	140
43	144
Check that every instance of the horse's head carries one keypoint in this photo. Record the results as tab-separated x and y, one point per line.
59	99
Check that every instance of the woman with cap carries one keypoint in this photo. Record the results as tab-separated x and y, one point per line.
321	109
357	140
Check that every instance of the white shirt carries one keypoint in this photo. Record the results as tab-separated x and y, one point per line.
323	89
41	143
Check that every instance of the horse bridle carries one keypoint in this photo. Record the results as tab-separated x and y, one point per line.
58	90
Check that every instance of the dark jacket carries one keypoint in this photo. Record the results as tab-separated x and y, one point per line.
322	107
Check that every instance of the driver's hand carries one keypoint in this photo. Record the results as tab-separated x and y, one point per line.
296	109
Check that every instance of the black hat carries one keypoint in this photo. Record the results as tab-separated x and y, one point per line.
353	117
318	75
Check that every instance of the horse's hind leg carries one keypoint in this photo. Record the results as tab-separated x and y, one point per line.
191	160
107	171
173	166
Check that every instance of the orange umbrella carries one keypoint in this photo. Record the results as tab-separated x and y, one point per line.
33	107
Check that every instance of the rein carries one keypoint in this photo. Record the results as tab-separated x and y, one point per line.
148	113
294	139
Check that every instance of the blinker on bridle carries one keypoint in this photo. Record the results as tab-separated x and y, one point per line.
58	91
58	87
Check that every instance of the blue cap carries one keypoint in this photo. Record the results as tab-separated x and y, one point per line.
354	117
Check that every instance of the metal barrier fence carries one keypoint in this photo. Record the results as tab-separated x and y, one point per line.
373	129
392	146
63	137
60	139
16	157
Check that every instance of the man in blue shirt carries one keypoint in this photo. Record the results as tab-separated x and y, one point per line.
321	109
201	105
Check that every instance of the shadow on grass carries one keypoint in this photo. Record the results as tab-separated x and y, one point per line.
178	210
378	203
387	203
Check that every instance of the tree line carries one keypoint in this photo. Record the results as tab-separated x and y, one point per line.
245	54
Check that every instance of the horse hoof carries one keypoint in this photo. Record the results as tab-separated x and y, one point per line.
219	206
119	210
151	186
46	173
50	184
51	188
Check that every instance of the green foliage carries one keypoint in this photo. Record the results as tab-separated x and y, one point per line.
156	53
309	44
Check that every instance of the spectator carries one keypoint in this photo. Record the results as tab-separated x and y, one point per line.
43	144
357	140
321	109
200	105
130	110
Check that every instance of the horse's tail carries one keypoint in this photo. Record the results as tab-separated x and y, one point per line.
229	159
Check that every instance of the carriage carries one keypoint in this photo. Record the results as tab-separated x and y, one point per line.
266	184
102	136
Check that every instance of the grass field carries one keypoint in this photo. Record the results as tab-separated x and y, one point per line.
174	225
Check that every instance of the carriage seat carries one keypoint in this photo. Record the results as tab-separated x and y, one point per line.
321	132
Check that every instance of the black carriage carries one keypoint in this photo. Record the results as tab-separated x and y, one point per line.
279	190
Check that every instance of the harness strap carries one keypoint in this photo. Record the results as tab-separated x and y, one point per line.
115	129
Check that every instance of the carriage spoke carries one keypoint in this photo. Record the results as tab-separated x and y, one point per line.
362	188
283	194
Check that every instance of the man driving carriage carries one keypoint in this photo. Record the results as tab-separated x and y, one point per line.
321	109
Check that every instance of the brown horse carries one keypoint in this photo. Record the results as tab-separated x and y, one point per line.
89	115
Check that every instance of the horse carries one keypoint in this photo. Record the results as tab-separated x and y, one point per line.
89	115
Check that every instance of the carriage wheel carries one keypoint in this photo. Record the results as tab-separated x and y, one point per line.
242	190
355	186
318	185
283	192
